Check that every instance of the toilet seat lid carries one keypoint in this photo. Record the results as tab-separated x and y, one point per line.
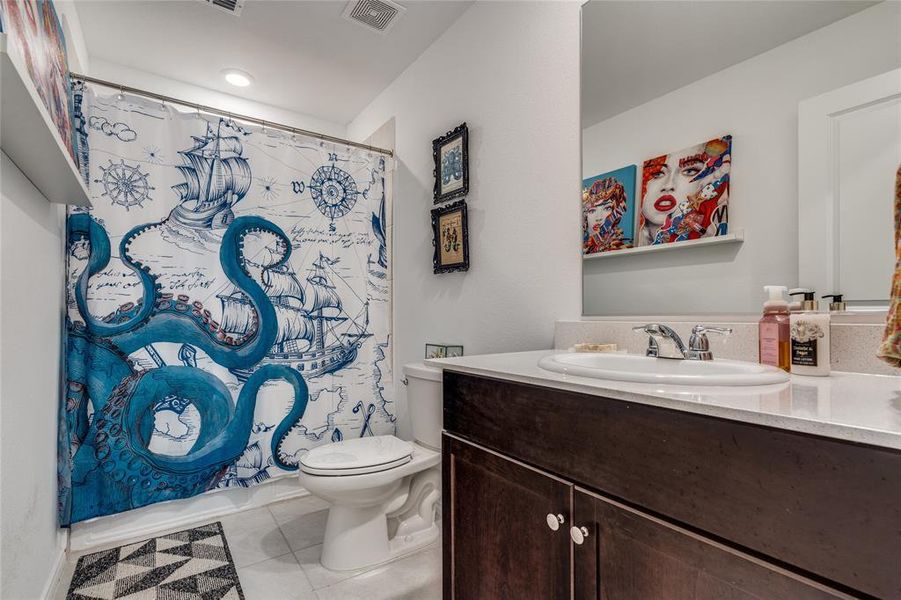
357	456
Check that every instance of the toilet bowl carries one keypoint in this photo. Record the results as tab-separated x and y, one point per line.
383	491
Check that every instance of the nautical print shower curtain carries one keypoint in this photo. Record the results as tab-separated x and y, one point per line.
227	304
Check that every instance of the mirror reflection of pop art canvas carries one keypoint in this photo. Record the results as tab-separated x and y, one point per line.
608	211
685	194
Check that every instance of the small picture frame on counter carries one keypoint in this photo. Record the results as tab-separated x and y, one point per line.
442	351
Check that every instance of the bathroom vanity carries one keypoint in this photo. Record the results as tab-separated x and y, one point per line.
558	486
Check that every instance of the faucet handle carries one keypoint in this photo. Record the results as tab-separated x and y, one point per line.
702	329
699	345
648	328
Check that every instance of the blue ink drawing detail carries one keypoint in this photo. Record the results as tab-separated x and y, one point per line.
334	191
315	334
216	175
367	430
452	165
124	184
379	222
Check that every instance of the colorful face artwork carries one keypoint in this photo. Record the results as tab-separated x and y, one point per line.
37	39
685	194
608	207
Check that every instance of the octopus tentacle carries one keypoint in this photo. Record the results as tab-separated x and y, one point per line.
82	226
174	326
118	462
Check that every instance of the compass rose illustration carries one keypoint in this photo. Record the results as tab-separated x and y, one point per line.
124	184
334	191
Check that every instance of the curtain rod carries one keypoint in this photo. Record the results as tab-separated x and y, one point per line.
231	115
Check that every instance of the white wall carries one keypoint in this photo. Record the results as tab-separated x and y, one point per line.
511	71
143	80
76	48
31	296
757	102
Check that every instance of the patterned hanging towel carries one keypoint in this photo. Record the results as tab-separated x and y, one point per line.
890	351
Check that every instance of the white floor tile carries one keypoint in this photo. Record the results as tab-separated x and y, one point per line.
318	575
289	510
305	530
275	579
253	536
416	577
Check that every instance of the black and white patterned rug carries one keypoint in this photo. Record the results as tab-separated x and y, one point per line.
194	564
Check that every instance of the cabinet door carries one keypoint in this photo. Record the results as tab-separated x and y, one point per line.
498	543
628	554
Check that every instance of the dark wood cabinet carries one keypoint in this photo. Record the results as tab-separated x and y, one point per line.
629	554
675	505
497	540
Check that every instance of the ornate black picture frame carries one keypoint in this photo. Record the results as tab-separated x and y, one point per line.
451	155
450	238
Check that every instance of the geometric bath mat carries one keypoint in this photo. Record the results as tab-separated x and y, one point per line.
194	564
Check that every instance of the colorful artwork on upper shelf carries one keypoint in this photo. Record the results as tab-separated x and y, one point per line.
685	194
608	211
35	36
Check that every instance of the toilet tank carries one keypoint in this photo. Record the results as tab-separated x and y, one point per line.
424	401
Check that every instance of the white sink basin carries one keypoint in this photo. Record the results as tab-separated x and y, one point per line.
643	369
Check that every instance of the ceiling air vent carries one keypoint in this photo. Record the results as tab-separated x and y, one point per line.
230	6
378	15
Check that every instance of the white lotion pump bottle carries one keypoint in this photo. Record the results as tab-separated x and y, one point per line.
809	337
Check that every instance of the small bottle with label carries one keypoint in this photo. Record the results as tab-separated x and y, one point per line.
774	329
809	337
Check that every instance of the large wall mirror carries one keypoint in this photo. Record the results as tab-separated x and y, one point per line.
736	144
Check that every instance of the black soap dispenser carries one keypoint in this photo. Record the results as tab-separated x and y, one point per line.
836	305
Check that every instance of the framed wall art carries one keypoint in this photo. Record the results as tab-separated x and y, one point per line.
442	351
608	211
451	154
685	194
36	36
450	238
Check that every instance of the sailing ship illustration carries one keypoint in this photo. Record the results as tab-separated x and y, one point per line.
217	177
315	334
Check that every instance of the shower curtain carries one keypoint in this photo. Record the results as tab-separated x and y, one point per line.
227	304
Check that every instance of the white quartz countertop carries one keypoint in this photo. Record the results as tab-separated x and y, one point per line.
847	406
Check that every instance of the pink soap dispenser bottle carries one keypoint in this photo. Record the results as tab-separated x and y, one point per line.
774	329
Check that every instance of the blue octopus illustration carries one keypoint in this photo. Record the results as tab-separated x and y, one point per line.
112	468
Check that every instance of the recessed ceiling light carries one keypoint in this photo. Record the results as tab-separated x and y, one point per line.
237	77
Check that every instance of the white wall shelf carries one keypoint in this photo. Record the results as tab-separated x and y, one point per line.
29	137
736	237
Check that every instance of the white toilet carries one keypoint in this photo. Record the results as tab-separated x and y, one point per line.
383	491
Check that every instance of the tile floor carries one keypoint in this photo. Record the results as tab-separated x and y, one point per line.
276	551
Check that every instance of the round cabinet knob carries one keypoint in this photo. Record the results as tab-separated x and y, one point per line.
578	534
554	521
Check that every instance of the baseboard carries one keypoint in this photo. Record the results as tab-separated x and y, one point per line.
150	521
53	581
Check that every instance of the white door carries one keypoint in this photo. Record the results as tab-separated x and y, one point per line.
849	149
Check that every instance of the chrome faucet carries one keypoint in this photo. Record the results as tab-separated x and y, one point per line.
664	342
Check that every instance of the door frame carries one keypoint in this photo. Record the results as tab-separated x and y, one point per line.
818	177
